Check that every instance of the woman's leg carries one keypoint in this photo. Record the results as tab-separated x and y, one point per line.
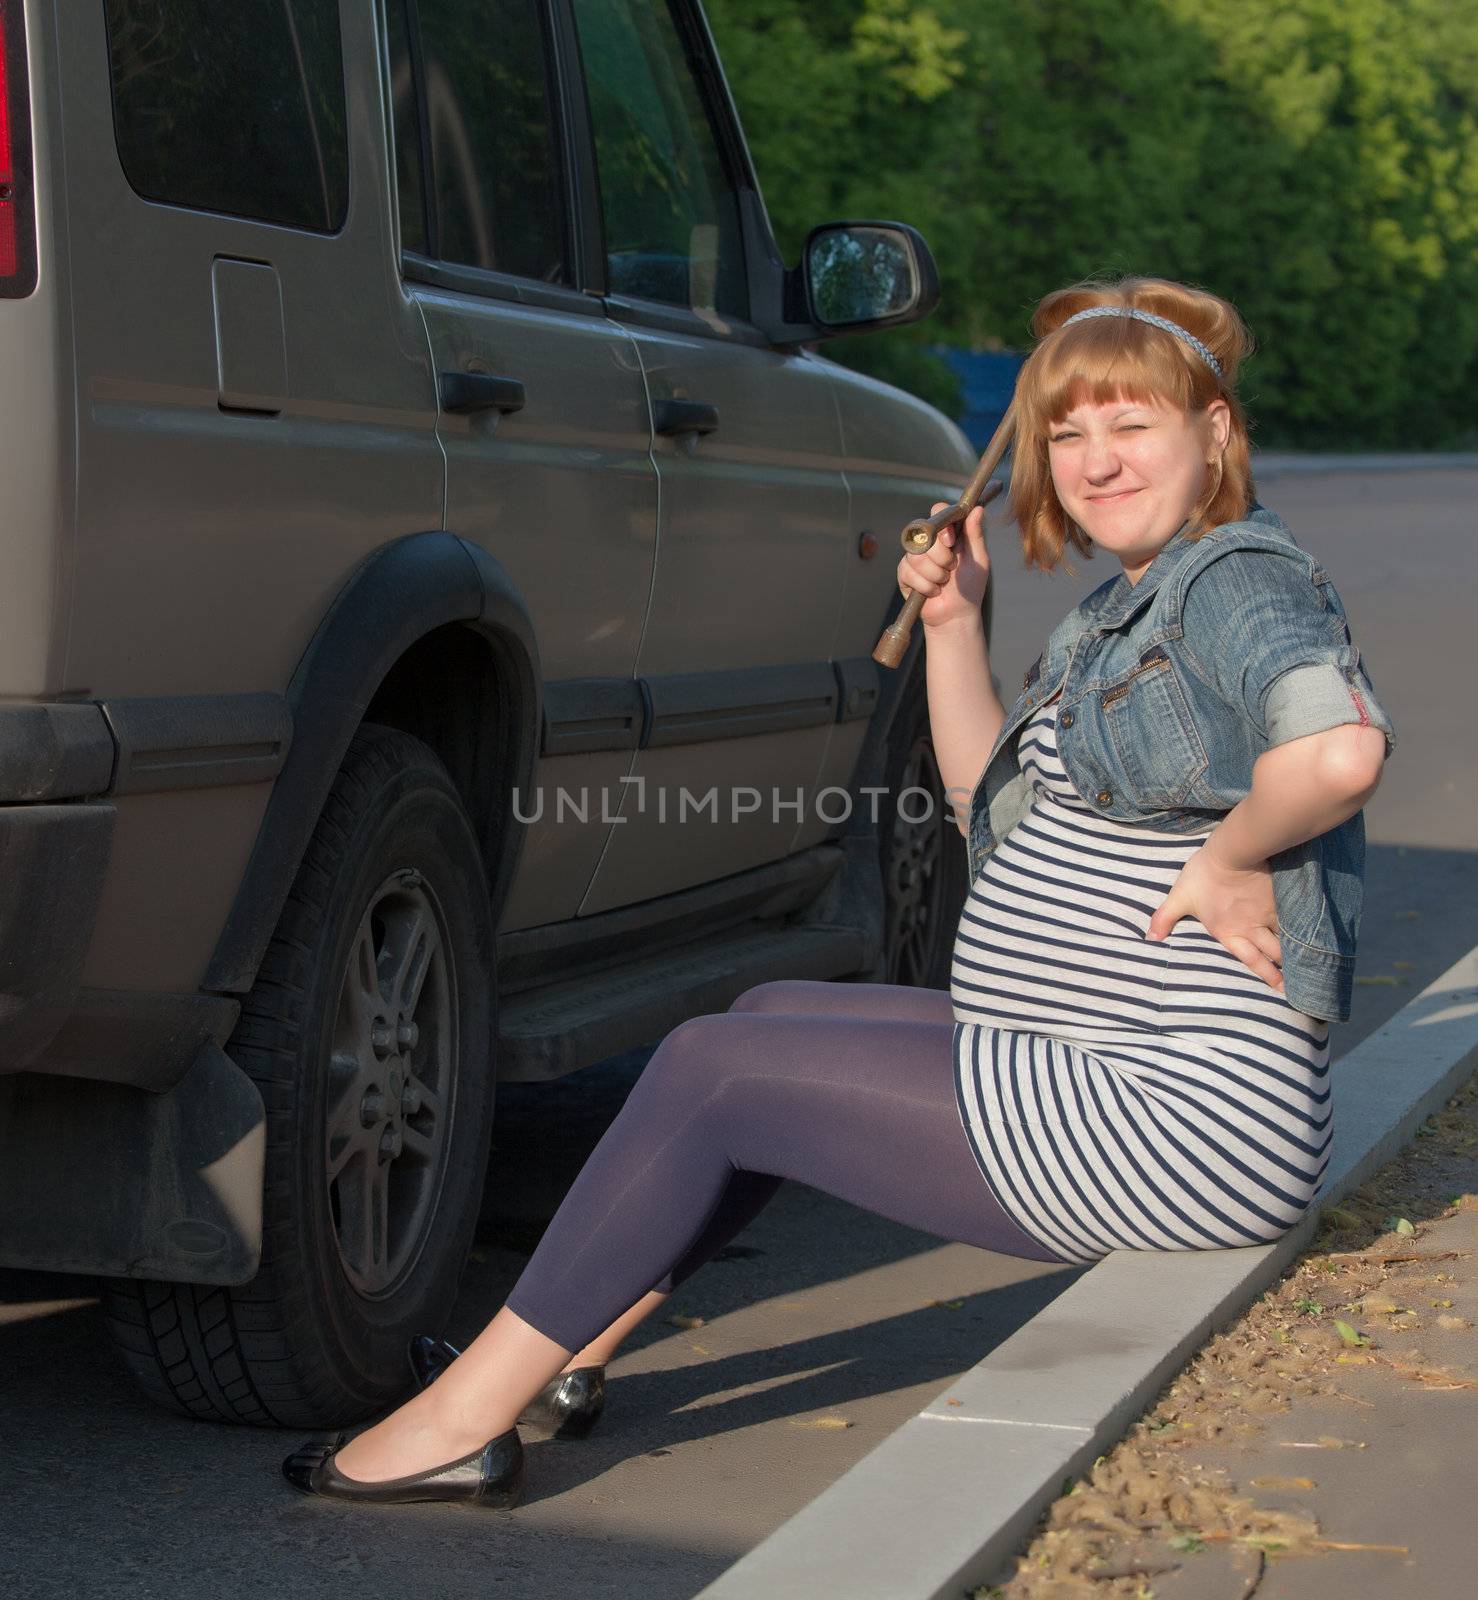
864	1110
748	1193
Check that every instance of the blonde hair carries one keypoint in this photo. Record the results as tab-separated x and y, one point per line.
1107	358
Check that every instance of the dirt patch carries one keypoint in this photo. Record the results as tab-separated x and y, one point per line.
1384	1300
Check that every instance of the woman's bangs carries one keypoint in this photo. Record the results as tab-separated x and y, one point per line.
1093	364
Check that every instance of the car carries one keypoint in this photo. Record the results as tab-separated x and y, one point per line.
440	575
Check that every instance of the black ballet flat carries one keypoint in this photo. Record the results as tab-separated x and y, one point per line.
490	1476
569	1405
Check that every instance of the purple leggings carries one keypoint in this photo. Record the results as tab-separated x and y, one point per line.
847	1087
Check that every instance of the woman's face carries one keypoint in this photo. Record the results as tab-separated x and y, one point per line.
1129	472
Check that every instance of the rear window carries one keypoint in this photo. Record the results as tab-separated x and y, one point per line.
235	108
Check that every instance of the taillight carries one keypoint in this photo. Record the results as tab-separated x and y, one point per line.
17	225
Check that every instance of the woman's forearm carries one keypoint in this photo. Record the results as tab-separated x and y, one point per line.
1299	790
965	713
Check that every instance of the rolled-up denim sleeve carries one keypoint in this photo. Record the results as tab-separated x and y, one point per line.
1275	647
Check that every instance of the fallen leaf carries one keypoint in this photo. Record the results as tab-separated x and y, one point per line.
949	1305
1342	1217
1325	1441
677	1320
1384	978
1283	1483
1349	1335
818	1422
1453	1324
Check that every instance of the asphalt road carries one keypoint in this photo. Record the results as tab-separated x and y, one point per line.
819	1312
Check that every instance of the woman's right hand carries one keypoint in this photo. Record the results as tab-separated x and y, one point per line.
952	574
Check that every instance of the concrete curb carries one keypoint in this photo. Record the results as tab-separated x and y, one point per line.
1277	463
946	1500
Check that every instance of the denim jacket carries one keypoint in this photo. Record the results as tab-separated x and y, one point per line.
1173	686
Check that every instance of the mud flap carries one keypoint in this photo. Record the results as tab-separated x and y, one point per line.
104	1178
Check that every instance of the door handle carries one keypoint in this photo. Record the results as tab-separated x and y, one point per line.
684	416
481	391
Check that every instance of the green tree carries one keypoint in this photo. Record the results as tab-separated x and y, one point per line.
1314	160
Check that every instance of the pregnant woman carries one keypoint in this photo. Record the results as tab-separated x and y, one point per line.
1167	854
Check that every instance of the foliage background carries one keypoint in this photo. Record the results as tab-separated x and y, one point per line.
1315	161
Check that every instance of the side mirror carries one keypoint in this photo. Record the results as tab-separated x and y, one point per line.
860	276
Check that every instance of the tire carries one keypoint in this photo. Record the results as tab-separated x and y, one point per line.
922	854
370	1033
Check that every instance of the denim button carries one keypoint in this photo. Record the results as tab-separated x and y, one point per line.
1065	720
1105	798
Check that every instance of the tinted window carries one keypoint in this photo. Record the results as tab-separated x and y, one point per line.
495	165
236	108
671	217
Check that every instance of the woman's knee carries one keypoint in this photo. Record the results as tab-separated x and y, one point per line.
689	1056
702	1062
784	995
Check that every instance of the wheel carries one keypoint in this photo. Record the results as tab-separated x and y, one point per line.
370	1034
923	853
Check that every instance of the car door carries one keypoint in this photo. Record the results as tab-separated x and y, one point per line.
752	531
543	408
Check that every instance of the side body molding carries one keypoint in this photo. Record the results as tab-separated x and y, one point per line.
400	593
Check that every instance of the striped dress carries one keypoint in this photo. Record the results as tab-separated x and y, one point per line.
1121	1093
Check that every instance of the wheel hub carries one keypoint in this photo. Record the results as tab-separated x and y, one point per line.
390	1084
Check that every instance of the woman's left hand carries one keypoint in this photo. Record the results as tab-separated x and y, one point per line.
1235	907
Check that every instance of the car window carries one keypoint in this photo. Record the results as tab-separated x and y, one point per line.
670	213
235	108
495	170
409	173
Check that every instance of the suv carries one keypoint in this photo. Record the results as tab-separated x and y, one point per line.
438	594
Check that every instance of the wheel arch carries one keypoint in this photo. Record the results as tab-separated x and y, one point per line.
422	605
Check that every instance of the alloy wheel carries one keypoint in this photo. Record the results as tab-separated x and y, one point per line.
391	1084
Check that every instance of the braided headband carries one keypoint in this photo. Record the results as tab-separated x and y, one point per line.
1155	322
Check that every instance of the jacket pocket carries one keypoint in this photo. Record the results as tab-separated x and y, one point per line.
1151	731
